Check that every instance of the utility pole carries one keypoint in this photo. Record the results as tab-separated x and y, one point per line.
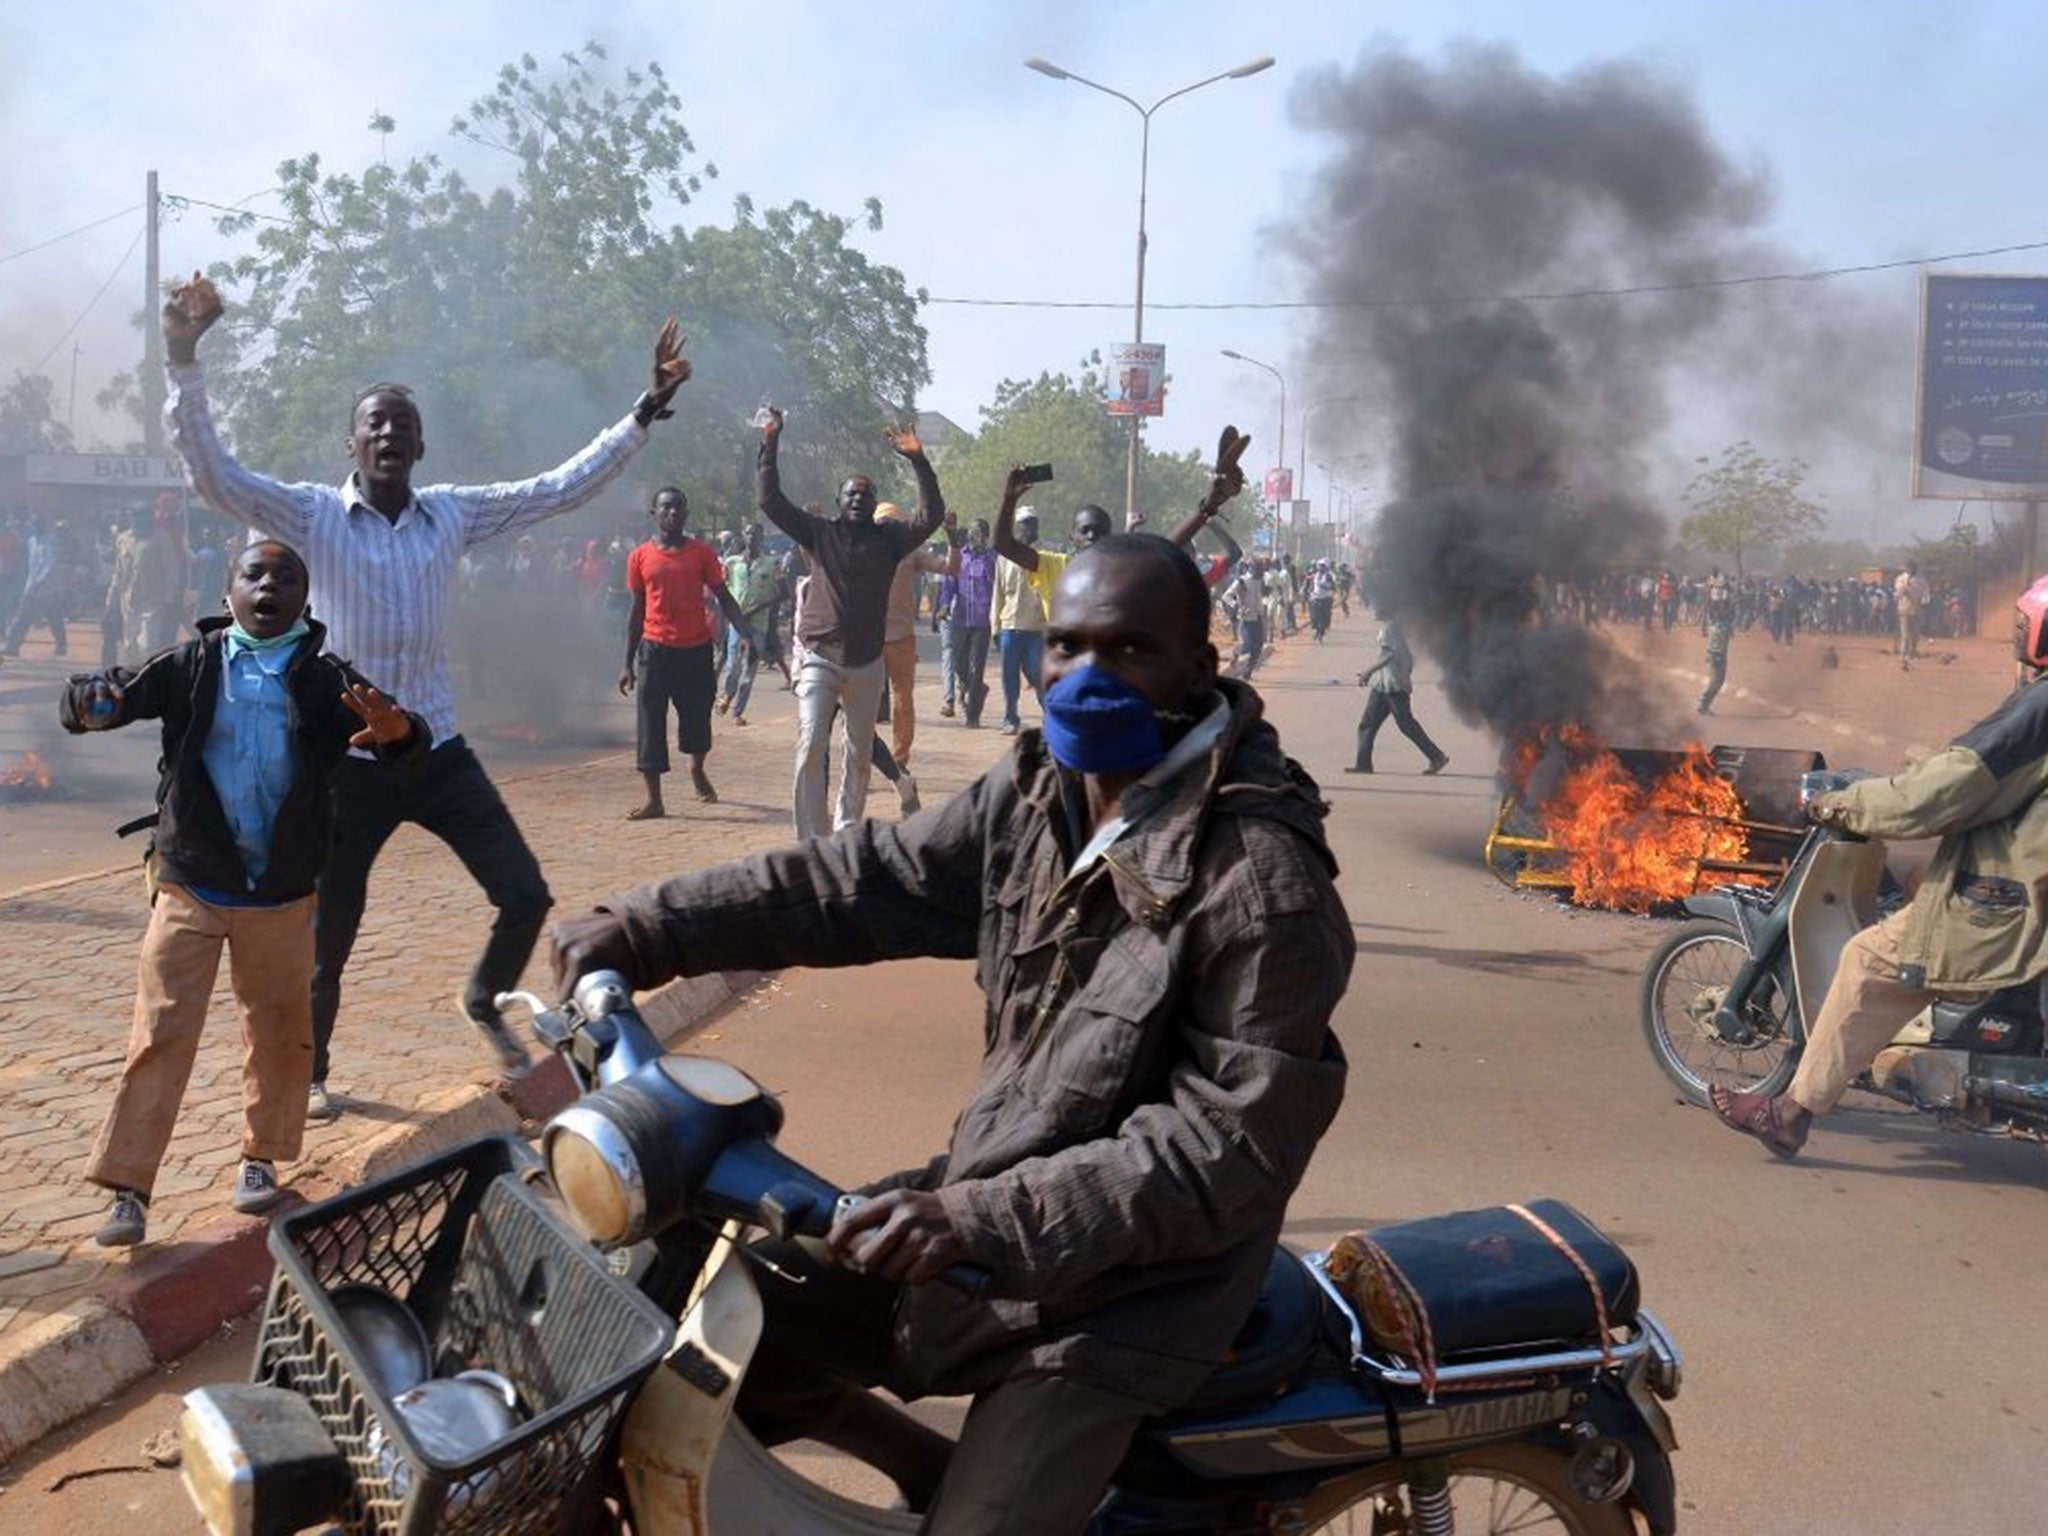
152	335
71	413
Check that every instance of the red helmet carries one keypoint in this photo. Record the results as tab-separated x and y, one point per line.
2030	627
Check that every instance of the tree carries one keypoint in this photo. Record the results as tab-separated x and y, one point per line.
1059	420
1748	504
524	312
28	416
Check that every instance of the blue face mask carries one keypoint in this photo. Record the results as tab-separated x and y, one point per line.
1095	722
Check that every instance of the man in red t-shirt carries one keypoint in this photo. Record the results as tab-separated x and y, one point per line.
668	646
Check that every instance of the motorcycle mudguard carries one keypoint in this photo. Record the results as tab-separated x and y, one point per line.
1714	904
1624	1415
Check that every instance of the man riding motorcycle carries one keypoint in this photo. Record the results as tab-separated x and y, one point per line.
1148	895
1979	922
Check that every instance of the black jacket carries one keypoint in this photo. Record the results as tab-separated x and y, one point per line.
194	845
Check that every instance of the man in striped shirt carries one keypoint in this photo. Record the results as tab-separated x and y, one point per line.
388	558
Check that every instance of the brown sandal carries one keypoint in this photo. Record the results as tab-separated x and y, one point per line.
1756	1114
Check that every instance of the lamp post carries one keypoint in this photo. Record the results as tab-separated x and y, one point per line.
1280	448
1053	72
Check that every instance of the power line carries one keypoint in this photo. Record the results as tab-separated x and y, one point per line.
200	202
30	250
1563	296
89	303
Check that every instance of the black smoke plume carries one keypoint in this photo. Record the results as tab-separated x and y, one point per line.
1520	432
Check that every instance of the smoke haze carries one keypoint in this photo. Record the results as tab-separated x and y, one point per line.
1521	434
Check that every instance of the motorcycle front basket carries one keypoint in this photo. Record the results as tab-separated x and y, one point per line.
501	1282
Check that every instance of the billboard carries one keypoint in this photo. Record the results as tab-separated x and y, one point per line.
1137	379
1982	427
1279	486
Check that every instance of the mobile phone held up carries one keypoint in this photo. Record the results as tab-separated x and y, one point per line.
1037	474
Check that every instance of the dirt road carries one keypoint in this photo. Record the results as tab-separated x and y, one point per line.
1858	1326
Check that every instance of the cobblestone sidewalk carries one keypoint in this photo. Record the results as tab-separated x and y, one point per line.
67	979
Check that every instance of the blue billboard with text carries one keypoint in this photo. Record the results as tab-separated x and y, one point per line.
1983	425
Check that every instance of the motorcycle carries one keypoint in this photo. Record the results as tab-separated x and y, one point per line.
606	1286
1725	1000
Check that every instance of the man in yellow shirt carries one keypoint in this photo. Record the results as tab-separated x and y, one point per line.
1025	577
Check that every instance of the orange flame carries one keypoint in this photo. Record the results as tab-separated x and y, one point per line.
27	771
1622	844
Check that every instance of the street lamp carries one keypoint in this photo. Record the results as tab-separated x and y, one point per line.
1280	448
1053	72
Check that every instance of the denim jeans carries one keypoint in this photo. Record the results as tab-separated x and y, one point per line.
1023	650
741	662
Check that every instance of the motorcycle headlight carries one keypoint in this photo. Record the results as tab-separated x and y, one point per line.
595	1170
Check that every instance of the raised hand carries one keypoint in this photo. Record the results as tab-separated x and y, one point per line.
904	441
1228	479
671	368
188	315
1015	484
769	419
384	723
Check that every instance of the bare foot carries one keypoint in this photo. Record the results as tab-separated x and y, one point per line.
654	810
703	787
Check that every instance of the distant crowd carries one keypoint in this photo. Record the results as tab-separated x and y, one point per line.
1784	605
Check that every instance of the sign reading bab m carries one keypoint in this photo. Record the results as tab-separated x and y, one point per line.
1983	417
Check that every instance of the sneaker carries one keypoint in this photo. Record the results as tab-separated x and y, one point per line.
946	710
1011	727
255	1187
906	793
1437	765
318	1105
126	1221
512	1058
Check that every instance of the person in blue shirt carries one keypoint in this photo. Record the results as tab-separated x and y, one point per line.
256	719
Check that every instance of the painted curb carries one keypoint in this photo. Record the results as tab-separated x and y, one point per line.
63	1366
66	1365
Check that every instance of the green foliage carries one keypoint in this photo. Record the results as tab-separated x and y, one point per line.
1059	419
28	416
1748	505
525	314
1962	557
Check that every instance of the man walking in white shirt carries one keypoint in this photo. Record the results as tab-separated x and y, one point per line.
387	560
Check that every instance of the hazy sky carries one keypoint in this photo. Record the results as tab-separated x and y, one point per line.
1889	129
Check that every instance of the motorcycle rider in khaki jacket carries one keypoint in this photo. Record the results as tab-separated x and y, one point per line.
1979	922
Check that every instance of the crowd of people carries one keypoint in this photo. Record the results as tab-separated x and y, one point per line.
1878	602
142	575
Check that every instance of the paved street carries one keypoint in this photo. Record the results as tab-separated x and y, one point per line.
1858	1326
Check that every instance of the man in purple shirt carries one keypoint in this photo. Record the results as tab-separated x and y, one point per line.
973	596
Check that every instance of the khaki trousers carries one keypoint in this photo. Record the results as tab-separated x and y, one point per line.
899	660
1867	1005
270	957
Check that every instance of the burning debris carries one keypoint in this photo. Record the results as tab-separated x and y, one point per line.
27	775
1636	829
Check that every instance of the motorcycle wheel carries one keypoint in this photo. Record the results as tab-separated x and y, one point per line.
1682	987
1494	1490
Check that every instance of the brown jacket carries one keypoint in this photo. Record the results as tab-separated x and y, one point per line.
1158	1060
1979	921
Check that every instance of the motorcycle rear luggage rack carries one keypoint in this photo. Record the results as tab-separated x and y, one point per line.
1646	1333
